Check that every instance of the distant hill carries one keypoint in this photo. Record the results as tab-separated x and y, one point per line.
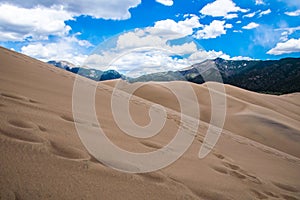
61	64
93	74
274	76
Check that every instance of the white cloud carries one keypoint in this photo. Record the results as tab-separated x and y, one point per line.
250	15
212	54
228	26
289	30
284	36
185	48
107	9
36	20
238	22
183	28
231	16
137	63
221	8
241	58
165	2
215	29
16	23
290	46
68	49
251	25
266	12
259	2
140	52
286	32
132	40
293	14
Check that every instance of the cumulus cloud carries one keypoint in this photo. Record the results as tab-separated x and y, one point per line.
107	9
17	23
290	46
212	54
68	49
266	12
259	2
286	32
36	20
250	15
137	63
221	8
140	52
241	58
228	26
293	14
251	25
215	29
132	40
165	2
289	30
184	28
22	19
231	16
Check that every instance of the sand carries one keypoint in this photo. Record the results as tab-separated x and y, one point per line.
42	157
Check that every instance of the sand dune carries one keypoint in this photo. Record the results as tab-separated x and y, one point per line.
267	119
42	157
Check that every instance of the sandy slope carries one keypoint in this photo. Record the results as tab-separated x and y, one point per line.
267	119
41	156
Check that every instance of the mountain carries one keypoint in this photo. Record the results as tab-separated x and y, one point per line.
61	64
93	74
274	76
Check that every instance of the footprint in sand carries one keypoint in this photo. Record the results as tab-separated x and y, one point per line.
68	152
220	156
288	197
285	187
71	119
151	144
234	171
67	118
43	129
270	194
231	166
258	195
154	177
220	169
22	130
21	124
18	97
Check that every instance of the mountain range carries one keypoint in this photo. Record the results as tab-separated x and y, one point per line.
272	76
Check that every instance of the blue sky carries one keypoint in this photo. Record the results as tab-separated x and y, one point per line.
95	32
